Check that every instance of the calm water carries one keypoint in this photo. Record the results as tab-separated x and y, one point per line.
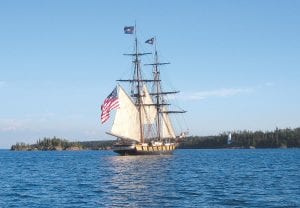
189	178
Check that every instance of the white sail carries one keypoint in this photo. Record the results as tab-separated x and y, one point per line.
167	128
148	109
126	123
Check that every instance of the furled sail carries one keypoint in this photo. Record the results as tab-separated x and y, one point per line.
126	124
167	128
148	109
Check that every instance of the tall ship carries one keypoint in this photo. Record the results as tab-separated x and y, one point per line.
142	123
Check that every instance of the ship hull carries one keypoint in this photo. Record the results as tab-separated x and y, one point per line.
144	150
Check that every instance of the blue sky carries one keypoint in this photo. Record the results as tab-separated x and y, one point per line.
236	63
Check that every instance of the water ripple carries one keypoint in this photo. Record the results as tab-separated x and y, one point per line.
189	178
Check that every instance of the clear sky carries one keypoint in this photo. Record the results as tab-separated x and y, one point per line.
236	63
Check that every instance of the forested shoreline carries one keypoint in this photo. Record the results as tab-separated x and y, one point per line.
48	144
279	138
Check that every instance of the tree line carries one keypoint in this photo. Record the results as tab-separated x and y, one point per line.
279	138
48	144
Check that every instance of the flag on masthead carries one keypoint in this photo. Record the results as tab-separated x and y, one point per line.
128	29
150	41
109	104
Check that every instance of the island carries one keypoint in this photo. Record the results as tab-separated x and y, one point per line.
279	138
48	144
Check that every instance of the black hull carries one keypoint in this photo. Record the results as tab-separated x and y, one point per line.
143	150
135	152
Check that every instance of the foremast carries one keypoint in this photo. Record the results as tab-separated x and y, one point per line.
159	95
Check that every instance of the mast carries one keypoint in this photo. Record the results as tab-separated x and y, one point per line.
158	90
137	82
159	101
138	77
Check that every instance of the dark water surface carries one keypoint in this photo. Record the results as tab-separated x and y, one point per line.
189	178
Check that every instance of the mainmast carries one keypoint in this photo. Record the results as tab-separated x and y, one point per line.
137	82
138	75
156	77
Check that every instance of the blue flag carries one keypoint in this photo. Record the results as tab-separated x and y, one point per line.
129	29
150	41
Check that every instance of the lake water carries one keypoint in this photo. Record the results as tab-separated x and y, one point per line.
188	178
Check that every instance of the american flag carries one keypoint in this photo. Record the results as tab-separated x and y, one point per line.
109	104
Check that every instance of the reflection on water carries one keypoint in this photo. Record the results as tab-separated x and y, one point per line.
137	180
